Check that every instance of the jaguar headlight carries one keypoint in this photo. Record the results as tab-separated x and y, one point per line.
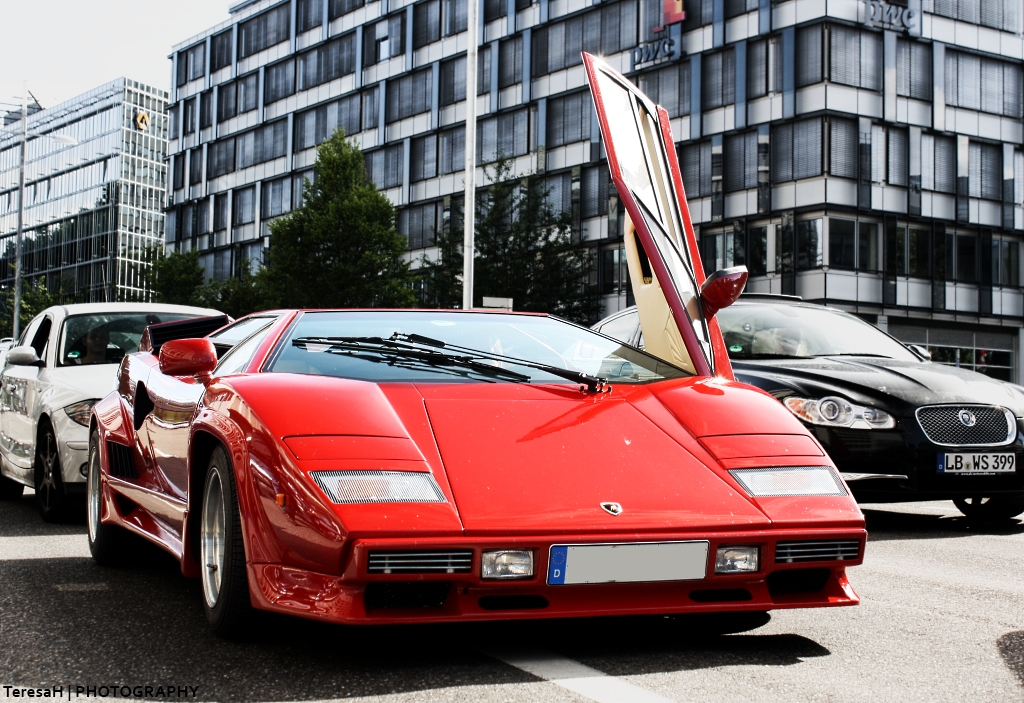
832	411
378	486
790	481
79	412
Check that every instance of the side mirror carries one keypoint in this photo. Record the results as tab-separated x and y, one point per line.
23	356
722	288
188	357
921	351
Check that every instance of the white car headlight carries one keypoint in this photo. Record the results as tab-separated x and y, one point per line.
79	412
507	564
839	412
378	486
790	481
736	560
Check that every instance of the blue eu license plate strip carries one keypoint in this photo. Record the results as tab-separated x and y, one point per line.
556	565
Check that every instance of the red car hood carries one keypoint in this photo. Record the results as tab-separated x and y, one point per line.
531	461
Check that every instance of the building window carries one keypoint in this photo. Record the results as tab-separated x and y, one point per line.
426	23
195	166
594	191
451	151
938	163
606	30
279	81
188	124
719	81
384	166
695	163
852	245
1006	263
913	69
669	87
418	224
238	97
721	250
507	135
998	14
614	273
808	244
260	145
510	62
220	212
178	176
909	254
313	126
220	51
191	64
898	156
568	119
263	31
371	109
243	210
205	110
962	256
808	55
423	158
764	67
221	158
299	182
277	198
740	156
856	58
698	13
408	95
384	40
796	150
454	17
757	251
983	84
328	61
453	77
843	148
308	14
494	9
337	8
985	171
559	193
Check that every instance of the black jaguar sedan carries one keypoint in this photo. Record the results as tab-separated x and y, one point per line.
898	426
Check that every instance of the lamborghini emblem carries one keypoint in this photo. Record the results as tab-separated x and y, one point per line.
612	508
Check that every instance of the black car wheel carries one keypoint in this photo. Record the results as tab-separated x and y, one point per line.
222	552
53	502
990	508
107	543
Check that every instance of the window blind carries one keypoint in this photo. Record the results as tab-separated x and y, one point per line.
264	30
898	157
426	23
782	153
808	55
510	62
807	148
280	81
409	95
843	148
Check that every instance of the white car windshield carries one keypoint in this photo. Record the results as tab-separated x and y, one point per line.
106	337
422	346
759	331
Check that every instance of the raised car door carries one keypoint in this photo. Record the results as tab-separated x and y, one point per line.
21	392
661	249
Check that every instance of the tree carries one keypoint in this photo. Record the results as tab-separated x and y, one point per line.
35	297
524	250
340	248
174	278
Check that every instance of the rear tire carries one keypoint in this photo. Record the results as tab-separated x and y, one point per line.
107	543
989	508
54	504
222	553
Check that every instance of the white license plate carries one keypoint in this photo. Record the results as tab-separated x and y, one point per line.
1002	463
627	563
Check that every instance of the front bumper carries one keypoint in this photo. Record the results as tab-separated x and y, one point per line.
908	460
360	597
73	448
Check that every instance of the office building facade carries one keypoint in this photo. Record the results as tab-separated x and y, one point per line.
863	153
93	209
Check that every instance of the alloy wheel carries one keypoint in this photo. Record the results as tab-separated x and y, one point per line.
213	538
50	464
93	499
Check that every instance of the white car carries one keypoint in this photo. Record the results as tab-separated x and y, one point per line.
65	360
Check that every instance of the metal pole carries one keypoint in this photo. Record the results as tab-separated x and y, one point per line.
21	214
469	207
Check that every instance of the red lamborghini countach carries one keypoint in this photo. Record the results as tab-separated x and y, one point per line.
385	466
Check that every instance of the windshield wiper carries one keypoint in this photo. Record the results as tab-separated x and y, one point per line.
398	350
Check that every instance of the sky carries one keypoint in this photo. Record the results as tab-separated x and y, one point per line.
64	48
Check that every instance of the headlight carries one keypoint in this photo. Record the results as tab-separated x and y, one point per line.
736	560
507	564
79	412
378	486
790	481
838	412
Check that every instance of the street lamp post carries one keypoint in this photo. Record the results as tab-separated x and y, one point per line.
60	139
469	204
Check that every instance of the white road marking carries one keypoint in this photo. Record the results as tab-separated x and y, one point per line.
581	679
44	547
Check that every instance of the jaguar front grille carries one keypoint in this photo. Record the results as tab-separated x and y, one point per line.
440	561
826	550
968	425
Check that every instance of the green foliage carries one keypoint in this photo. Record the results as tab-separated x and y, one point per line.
35	297
174	278
524	250
340	248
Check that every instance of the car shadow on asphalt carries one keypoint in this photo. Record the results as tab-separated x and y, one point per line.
73	623
890	525
20	518
1011	647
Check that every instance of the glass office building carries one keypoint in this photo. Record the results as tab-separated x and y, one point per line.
94	209
863	153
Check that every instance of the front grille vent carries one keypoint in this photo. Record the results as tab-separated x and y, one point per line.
967	425
421	562
831	550
122	464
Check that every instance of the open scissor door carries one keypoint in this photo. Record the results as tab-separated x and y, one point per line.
664	266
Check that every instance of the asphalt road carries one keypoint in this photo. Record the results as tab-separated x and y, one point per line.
941	619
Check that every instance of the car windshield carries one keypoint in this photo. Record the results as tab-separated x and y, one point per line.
753	331
541	340
105	338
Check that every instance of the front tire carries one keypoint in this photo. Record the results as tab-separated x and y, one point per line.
106	542
53	503
987	508
222	552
